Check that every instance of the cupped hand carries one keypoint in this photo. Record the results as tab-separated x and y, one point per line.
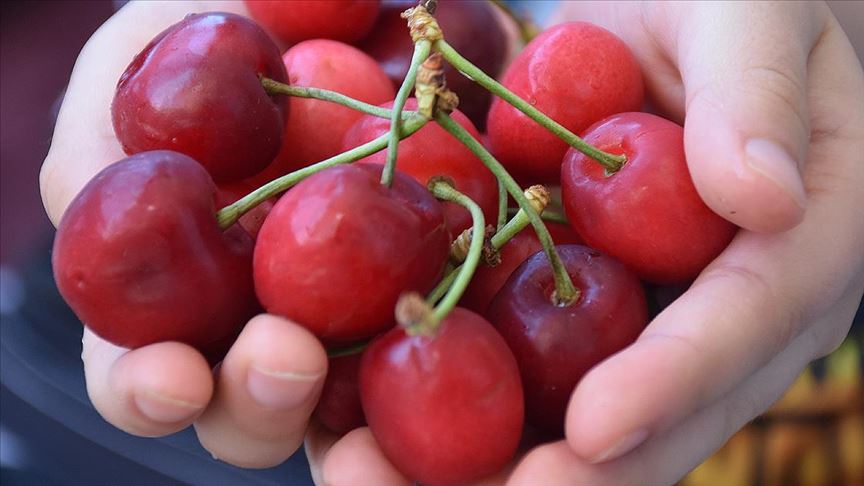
253	411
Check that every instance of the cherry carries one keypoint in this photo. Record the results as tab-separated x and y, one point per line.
299	20
229	193
314	128
488	280
447	408
556	345
576	73
140	257
432	152
195	89
339	407
648	215
337	250
470	27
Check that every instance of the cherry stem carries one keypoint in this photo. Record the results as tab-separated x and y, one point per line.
421	52
277	88
612	163
503	199
229	215
441	189
550	216
565	292
516	224
347	351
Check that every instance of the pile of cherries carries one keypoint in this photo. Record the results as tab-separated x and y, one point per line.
142	257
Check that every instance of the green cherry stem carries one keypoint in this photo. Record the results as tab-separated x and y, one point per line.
353	349
503	198
230	214
550	216
612	163
565	292
275	87
421	52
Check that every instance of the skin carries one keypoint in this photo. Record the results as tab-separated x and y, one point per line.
781	295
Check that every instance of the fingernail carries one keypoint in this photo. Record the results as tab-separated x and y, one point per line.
165	409
281	389
773	162
623	446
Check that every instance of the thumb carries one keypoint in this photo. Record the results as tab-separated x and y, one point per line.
747	130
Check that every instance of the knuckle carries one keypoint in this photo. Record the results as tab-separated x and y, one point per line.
778	85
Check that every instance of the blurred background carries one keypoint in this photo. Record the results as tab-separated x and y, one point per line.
49	433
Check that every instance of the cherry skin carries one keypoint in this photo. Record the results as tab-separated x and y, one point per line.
648	215
314	128
487	281
470	27
556	345
339	407
252	221
337	250
299	20
140	257
195	89
433	152
445	409
576	73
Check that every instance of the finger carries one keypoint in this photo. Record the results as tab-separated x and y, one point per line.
84	141
356	459
151	391
266	389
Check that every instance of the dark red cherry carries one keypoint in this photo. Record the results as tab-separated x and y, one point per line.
195	89
554	345
338	249
648	215
298	20
445	409
487	281
140	257
339	407
470	27
576	73
433	152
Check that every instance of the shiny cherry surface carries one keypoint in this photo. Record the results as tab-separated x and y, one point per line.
298	20
338	249
648	215
339	407
445	409
576	73
554	345
140	257
195	89
433	152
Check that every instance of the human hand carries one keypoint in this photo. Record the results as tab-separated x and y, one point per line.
774	137
253	411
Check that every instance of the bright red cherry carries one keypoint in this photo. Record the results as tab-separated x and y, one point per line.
195	89
433	152
299	20
339	407
487	281
140	257
445	409
230	193
576	73
648	215
470	27
554	345
338	249
313	128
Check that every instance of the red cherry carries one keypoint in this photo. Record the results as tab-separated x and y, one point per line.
299	20
339	407
140	257
487	281
432	152
314	128
648	215
470	27
576	73
445	409
555	346
230	193
195	89
337	250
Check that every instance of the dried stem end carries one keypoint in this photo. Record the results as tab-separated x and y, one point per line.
415	315
422	24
